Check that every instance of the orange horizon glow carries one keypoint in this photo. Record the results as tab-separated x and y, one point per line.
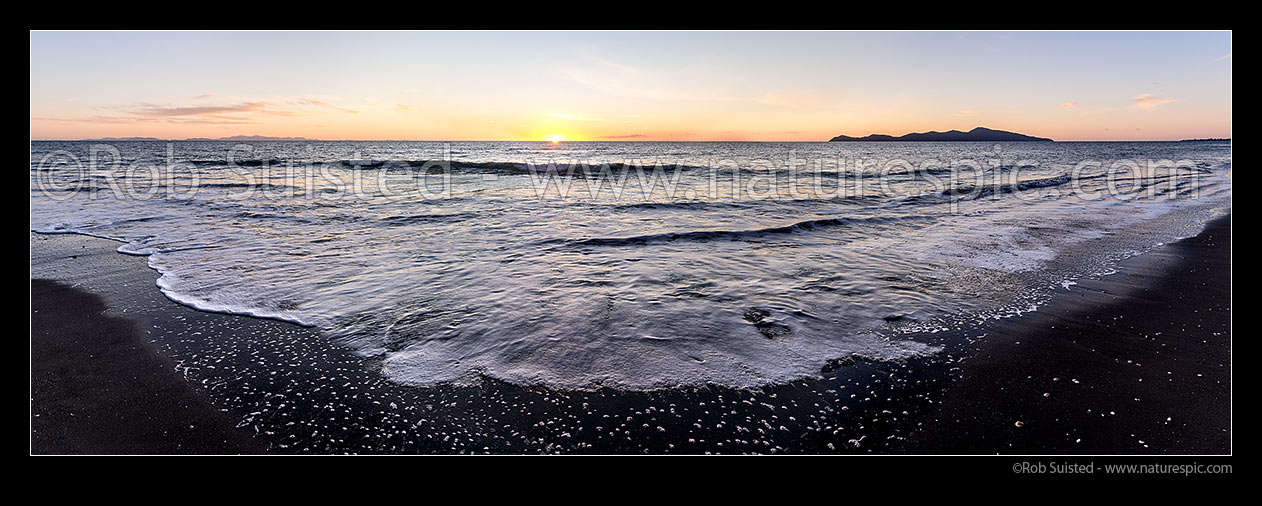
68	134
629	86
747	123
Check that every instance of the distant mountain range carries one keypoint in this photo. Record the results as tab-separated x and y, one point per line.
233	138
979	134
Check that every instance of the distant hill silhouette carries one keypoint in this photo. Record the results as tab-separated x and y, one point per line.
253	138
979	134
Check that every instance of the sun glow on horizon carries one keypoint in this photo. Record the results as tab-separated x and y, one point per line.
626	86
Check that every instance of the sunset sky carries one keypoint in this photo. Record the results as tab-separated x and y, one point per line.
772	86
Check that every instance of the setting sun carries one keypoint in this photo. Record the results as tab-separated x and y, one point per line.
555	138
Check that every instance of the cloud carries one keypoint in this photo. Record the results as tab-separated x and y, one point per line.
965	113
623	80
795	99
321	103
626	81
403	108
1148	101
208	120
1069	106
205	95
243	112
162	111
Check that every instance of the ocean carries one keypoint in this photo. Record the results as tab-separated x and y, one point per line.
630	265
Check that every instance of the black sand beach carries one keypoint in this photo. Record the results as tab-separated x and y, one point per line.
98	386
1136	362
1133	363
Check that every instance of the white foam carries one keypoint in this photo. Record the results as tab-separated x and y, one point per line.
500	294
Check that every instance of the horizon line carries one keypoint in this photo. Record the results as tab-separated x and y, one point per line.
545	141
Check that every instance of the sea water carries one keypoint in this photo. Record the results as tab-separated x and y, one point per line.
626	264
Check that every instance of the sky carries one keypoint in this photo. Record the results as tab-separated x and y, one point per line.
628	85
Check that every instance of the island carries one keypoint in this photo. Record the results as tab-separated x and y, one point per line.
979	134
249	138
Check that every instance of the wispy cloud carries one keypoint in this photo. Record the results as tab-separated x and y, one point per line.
626	81
103	119
1069	106
403	108
163	111
965	113
795	99
321	103
623	80
1148	101
206	121
242	112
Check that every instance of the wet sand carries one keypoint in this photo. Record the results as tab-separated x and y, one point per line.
1135	362
98	386
1149	349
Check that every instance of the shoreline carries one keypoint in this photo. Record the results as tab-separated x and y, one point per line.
254	371
98	387
1135	362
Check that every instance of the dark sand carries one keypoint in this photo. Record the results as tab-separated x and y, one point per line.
148	368
1136	362
97	386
